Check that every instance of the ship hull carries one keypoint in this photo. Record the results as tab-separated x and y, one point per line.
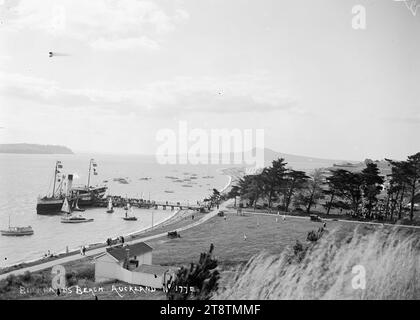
130	219
85	201
87	198
16	234
49	206
75	221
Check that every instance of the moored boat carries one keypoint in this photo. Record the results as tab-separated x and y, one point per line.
83	195
110	208
130	218
75	219
69	218
51	204
87	195
127	217
17	231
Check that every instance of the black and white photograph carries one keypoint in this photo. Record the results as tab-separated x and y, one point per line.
221	152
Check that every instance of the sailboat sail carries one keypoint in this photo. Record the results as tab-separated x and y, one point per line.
66	207
110	204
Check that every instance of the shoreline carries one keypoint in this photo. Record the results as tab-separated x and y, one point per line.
76	251
95	246
90	246
146	229
227	185
131	234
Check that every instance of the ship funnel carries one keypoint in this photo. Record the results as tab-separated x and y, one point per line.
69	184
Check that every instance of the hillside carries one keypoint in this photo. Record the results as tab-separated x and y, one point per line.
299	162
26	148
270	155
383	166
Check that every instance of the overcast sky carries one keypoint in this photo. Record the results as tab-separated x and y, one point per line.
125	69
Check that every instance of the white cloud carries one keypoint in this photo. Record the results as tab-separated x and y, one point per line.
112	24
405	117
4	58
125	44
235	94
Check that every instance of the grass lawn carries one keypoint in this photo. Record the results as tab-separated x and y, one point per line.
263	233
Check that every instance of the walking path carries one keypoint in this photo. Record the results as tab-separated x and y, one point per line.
335	220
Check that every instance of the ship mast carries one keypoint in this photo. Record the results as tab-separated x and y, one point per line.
90	166
55	177
58	165
92	163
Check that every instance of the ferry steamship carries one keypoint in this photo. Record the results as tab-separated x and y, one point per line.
81	196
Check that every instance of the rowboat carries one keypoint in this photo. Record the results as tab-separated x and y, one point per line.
130	218
75	219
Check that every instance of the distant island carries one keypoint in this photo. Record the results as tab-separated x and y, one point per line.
27	148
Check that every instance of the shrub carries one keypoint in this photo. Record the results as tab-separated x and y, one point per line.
86	273
27	276
203	277
71	279
314	236
4	286
82	282
299	252
38	280
13	280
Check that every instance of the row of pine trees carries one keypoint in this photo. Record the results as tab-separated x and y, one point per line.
364	194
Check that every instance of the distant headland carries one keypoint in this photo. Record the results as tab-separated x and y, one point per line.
27	148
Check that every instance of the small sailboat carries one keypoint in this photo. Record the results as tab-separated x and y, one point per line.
69	218
129	218
17	231
127	204
110	206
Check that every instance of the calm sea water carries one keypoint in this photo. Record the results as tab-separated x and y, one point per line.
24	177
